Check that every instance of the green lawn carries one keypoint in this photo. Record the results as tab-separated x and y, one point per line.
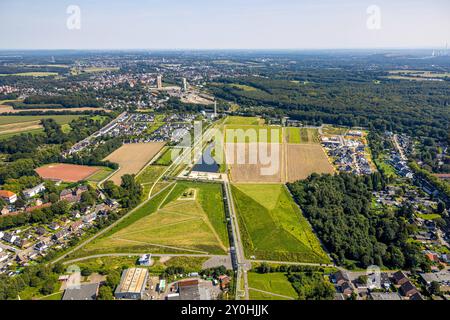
169	223
273	227
429	216
166	158
100	175
275	282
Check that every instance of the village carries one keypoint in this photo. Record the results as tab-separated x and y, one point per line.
74	216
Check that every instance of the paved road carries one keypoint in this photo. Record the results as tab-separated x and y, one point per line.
140	254
243	265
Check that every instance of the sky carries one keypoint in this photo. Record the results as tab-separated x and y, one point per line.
224	24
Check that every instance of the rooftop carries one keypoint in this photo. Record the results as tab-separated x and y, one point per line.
133	280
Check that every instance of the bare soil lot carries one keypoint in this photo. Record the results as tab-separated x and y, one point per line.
305	159
133	157
66	172
249	164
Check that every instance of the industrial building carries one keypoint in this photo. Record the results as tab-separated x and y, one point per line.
132	284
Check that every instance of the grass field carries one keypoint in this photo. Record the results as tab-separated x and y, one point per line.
30	74
170	224
301	135
150	174
275	282
166	158
61	119
100	175
238	120
273	227
133	157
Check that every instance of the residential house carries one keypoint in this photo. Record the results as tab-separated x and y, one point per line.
340	277
408	289
9	196
30	193
400	278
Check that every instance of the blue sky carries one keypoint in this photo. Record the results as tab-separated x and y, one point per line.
217	24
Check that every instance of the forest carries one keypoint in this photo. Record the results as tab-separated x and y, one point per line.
351	98
339	209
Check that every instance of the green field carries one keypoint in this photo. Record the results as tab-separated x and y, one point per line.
61	119
100	175
30	74
150	174
273	227
238	120
166	158
302	135
252	133
170	223
276	282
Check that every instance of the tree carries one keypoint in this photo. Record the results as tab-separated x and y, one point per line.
105	293
435	288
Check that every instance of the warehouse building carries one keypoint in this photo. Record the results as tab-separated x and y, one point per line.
132	284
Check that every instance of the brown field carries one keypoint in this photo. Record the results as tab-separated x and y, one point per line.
133	157
247	171
66	172
305	159
19	127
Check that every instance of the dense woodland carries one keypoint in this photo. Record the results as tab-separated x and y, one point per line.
339	209
351	98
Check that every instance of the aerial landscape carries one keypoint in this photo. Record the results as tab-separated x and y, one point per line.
223	174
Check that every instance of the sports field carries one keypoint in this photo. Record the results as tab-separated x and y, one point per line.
66	172
133	157
273	227
276	283
174	221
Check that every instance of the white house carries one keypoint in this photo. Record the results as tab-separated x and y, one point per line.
29	193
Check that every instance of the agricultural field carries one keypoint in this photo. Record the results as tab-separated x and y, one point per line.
301	135
30	74
276	282
305	159
61	119
12	125
252	133
238	120
133	157
246	164
272	225
66	172
171	222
